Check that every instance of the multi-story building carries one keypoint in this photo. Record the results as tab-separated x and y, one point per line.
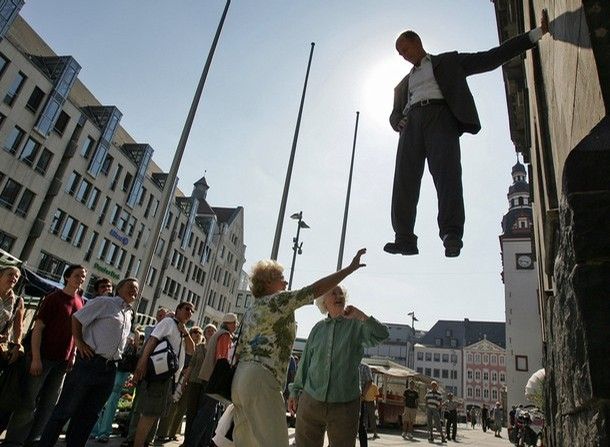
75	187
399	346
523	330
558	98
439	353
484	374
244	296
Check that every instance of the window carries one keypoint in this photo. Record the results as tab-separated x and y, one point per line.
152	273
438	342
494	359
477	375
72	183
445	373
469	392
469	357
100	220
502	377
93	198
437	357
57	221
52	266
87	148
141	196
115	177
494	394
83	191
521	363
69	229
469	374
24	203
485	376
12	142
494	376
121	259
43	161
104	245
127	181
445	358
485	359
454	358
454	342
477	359
3	63
448	333
436	373
6	240
123	219
14	89
91	246
420	356
105	169
61	123
454	374
428	372
35	100
159	248
9	193
79	235
168	221
477	392
485	393
501	359
114	216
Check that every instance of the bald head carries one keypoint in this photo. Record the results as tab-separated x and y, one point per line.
409	46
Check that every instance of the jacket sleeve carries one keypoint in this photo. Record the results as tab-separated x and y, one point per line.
400	96
484	61
373	332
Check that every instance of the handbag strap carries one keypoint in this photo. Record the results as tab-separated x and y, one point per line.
236	342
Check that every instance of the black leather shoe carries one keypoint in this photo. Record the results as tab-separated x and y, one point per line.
453	245
401	248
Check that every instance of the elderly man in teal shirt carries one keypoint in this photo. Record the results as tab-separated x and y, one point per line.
326	389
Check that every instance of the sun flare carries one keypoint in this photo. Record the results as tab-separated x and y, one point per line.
378	87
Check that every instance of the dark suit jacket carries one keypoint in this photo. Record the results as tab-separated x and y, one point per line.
450	71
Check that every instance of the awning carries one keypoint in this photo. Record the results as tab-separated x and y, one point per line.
393	372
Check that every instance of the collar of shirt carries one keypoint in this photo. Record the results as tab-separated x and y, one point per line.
329	319
122	303
424	60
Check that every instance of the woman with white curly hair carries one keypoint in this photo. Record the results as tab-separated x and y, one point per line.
264	348
326	389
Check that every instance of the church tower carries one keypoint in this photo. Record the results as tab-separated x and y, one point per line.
523	330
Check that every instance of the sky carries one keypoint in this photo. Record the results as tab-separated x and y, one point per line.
146	57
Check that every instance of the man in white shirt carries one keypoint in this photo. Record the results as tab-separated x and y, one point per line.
156	395
433	107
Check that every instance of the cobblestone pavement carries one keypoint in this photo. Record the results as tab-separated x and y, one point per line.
465	437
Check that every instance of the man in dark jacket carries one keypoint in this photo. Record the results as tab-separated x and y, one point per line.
433	107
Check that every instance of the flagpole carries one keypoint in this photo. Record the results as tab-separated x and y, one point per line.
347	197
280	217
172	176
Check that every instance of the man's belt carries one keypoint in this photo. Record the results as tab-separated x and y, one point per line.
427	102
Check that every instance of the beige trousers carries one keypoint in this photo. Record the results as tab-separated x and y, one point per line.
315	417
260	412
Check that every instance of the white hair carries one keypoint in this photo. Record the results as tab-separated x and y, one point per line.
320	300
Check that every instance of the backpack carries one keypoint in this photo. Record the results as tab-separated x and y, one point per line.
163	361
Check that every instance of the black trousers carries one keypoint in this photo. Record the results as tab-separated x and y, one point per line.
362	433
451	421
431	133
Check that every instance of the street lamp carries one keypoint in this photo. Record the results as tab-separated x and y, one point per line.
413	320
296	247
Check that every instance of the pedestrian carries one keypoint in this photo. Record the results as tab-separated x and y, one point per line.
433	411
51	352
473	417
408	416
156	394
264	349
498	419
433	107
100	331
484	418
102	287
326	390
12	312
194	383
218	347
370	405
451	407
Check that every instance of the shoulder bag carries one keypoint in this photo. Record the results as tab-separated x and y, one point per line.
219	385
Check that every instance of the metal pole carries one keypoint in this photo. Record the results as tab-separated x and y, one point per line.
280	218
173	172
295	249
347	197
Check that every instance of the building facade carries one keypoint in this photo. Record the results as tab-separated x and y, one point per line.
484	374
558	98
523	329
399	346
75	187
442	364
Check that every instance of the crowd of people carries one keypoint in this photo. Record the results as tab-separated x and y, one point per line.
69	372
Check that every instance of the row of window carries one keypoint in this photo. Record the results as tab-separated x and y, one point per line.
437	357
36	97
12	193
32	153
218	302
477	392
485	359
438	373
68	228
477	374
180	293
6	241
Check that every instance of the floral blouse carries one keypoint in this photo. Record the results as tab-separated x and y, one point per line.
269	329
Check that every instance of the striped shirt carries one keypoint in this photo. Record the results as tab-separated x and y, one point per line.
434	399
